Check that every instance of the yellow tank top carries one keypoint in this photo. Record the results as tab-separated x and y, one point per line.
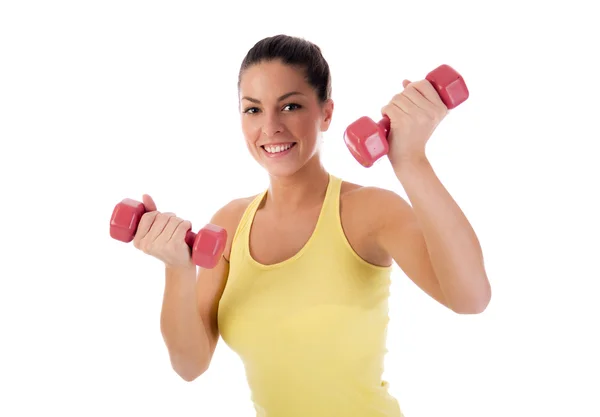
311	330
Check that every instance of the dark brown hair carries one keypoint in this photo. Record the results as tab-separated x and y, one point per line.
294	51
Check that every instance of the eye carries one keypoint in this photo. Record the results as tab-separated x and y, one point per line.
293	106
251	110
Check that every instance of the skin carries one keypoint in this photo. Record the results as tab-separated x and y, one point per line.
430	239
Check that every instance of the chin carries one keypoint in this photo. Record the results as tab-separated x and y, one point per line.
282	171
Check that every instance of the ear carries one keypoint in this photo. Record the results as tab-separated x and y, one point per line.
327	114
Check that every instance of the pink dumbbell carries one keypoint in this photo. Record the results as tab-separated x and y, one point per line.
367	140
207	245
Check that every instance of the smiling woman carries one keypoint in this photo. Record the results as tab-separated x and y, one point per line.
285	90
301	293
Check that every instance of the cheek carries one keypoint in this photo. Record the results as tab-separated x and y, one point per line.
250	131
305	127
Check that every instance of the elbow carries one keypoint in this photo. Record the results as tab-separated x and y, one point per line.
475	304
189	372
470	309
188	376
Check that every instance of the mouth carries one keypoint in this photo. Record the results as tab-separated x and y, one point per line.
278	150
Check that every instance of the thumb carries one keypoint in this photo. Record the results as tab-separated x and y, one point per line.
148	202
405	83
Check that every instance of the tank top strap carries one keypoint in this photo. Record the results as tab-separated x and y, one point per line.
242	232
330	212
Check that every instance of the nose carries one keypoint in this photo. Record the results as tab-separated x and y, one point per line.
272	124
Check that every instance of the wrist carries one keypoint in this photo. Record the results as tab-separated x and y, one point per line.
182	270
409	164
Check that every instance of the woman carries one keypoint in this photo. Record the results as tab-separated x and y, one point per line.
301	291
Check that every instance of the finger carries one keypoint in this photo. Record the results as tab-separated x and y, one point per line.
158	226
404	104
170	228
181	231
144	226
419	100
429	92
148	203
405	83
393	112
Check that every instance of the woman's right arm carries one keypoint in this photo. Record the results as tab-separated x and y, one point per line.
189	312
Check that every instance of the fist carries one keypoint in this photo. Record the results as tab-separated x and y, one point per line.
162	235
414	115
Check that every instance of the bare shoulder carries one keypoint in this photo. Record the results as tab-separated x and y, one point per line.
232	211
370	202
365	211
229	217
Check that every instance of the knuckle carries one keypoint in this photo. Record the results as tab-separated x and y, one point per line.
428	115
184	226
166	217
147	217
150	248
144	247
150	215
174	222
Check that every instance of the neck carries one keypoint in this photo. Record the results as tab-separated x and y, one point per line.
303	190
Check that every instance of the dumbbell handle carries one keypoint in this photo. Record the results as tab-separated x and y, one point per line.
384	123
190	237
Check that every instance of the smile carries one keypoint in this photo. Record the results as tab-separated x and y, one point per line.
278	149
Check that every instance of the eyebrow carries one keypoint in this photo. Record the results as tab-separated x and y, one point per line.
283	97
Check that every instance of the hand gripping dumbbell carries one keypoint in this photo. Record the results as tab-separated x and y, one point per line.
207	245
367	140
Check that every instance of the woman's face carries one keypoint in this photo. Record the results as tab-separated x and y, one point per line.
281	116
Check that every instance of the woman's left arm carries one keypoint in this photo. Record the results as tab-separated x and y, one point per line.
433	241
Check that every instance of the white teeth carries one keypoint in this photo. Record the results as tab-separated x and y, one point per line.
277	148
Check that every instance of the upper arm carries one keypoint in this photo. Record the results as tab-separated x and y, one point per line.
399	235
211	282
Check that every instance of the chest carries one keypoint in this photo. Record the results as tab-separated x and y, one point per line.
275	240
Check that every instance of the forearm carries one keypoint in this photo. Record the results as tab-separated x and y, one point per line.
453	247
181	324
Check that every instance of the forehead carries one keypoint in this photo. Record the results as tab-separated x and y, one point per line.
272	79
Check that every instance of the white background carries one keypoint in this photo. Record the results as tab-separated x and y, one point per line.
105	100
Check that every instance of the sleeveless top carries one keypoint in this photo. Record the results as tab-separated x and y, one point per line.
311	330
